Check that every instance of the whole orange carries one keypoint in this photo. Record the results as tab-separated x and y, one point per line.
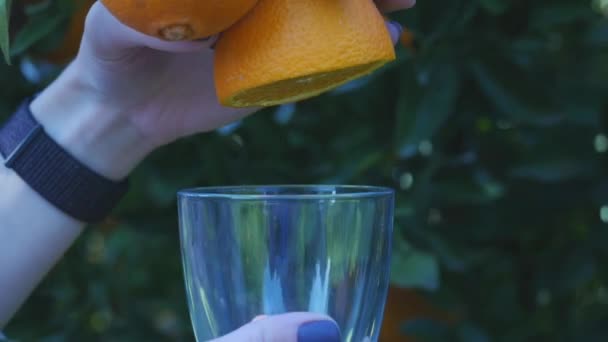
179	19
289	50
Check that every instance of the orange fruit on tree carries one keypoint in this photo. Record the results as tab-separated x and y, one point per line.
290	50
179	19
403	305
407	39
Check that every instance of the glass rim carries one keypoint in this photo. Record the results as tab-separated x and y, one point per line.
253	192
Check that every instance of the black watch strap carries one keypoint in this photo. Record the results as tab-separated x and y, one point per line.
53	173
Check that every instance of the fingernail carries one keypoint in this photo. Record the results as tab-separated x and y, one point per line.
319	331
259	318
396	27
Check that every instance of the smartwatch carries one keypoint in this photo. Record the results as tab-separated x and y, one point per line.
52	172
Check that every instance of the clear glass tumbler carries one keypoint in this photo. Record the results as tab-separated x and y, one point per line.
265	250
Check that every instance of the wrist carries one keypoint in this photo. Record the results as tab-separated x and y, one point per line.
95	133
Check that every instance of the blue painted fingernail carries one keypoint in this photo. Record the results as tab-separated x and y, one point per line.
398	28
319	331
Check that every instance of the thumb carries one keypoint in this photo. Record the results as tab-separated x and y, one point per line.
292	327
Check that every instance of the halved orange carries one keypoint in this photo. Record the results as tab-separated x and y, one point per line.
289	50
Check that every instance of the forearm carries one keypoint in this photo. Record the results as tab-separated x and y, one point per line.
34	234
33	237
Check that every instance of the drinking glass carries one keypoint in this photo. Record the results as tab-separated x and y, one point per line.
265	250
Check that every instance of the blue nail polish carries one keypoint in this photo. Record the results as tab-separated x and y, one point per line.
398	27
319	331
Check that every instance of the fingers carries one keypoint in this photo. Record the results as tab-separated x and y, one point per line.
395	29
293	327
395	5
112	40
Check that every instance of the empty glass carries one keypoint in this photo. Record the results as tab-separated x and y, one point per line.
250	251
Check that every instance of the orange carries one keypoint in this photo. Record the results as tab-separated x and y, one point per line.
179	19
290	50
407	39
404	305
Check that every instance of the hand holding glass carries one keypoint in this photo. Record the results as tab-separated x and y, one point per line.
250	251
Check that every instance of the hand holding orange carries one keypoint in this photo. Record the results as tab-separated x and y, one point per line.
141	92
272	51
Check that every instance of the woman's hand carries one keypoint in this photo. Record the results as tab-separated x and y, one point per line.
292	327
127	94
124	95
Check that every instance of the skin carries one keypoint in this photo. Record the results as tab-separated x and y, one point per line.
110	111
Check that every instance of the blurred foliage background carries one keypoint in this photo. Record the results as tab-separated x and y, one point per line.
492	125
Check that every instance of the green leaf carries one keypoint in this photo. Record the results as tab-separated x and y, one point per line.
36	8
422	112
413	268
559	14
471	333
427	330
515	91
5	15
39	26
551	171
464	191
495	6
